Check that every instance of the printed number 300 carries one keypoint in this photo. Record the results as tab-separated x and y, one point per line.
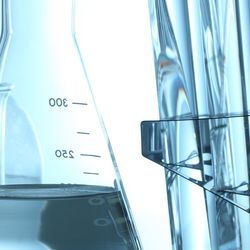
58	102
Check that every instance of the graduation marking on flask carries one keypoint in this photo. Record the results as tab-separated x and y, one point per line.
91	173
58	102
91	155
82	133
80	103
64	153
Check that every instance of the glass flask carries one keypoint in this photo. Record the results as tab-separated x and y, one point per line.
60	185
202	63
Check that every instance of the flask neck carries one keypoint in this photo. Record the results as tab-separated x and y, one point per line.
37	18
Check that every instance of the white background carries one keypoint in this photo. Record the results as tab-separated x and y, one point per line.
114	36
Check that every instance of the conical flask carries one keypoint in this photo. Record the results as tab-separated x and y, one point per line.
60	186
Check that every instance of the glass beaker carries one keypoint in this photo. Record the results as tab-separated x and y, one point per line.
201	63
60	185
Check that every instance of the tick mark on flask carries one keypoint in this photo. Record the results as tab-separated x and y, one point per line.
82	133
91	173
98	156
80	103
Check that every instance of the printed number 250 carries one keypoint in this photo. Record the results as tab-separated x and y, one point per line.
64	153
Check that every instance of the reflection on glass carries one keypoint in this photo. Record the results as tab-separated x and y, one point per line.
94	222
60	187
201	162
203	136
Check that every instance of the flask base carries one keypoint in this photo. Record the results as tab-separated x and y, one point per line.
42	219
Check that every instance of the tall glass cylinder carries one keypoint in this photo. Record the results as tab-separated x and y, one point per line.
201	64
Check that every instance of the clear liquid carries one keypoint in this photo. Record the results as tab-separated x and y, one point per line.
88	220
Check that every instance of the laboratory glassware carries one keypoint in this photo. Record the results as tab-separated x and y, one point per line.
60	187
201	63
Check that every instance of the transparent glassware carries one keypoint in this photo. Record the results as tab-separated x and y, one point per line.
60	187
203	134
